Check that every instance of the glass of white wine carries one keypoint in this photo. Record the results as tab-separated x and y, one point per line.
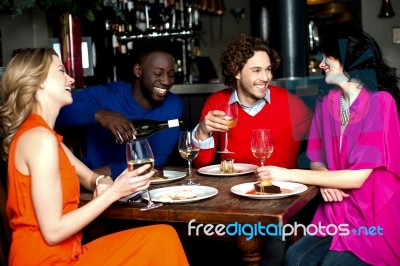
231	116
188	150
139	153
262	144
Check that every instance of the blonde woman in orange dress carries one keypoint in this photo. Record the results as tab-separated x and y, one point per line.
44	179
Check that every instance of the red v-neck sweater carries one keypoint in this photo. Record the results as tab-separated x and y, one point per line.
287	116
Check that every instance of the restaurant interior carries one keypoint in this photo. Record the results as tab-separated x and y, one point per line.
200	36
199	30
212	25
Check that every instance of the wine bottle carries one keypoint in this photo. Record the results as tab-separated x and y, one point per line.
146	127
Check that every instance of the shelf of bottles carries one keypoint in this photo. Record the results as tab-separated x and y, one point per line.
175	21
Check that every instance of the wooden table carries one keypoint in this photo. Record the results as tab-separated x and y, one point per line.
224	208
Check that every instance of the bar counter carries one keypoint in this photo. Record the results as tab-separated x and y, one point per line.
208	88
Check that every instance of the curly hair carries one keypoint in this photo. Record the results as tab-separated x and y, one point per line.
361	58
236	54
26	71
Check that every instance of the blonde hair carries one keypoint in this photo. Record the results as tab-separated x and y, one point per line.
24	74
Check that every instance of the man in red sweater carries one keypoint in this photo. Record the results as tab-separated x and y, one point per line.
247	66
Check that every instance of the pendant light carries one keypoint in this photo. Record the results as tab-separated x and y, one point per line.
386	9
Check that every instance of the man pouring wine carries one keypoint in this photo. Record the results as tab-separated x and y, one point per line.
118	112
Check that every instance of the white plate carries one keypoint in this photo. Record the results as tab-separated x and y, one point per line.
243	169
170	176
243	189
162	194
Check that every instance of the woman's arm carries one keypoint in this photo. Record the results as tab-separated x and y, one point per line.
37	153
328	194
87	178
342	179
318	166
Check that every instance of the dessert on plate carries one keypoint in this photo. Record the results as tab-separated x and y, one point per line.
266	186
227	166
158	174
183	194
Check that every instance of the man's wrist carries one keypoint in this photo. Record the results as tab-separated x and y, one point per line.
201	135
97	116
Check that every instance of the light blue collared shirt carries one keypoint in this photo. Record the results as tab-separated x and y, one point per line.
255	109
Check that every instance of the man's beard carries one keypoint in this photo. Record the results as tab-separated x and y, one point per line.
147	94
249	93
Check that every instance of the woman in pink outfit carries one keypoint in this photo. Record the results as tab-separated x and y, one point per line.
353	146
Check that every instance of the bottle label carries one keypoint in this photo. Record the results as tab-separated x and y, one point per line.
173	123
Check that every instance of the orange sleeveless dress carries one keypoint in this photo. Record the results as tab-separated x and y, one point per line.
150	245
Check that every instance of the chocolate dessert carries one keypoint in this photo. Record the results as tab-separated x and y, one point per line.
266	186
158	175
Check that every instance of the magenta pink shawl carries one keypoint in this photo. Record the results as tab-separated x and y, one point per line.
371	140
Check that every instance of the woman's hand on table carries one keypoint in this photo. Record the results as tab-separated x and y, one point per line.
333	194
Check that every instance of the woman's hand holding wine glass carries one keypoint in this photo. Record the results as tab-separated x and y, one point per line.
262	144
130	182
139	153
188	150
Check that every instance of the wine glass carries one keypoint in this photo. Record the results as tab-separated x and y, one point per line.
139	153
188	150
231	116
262	144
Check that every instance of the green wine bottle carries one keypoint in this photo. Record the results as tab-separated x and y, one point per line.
147	127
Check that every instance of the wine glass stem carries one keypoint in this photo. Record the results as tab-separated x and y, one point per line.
190	170
149	202
262	162
226	141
